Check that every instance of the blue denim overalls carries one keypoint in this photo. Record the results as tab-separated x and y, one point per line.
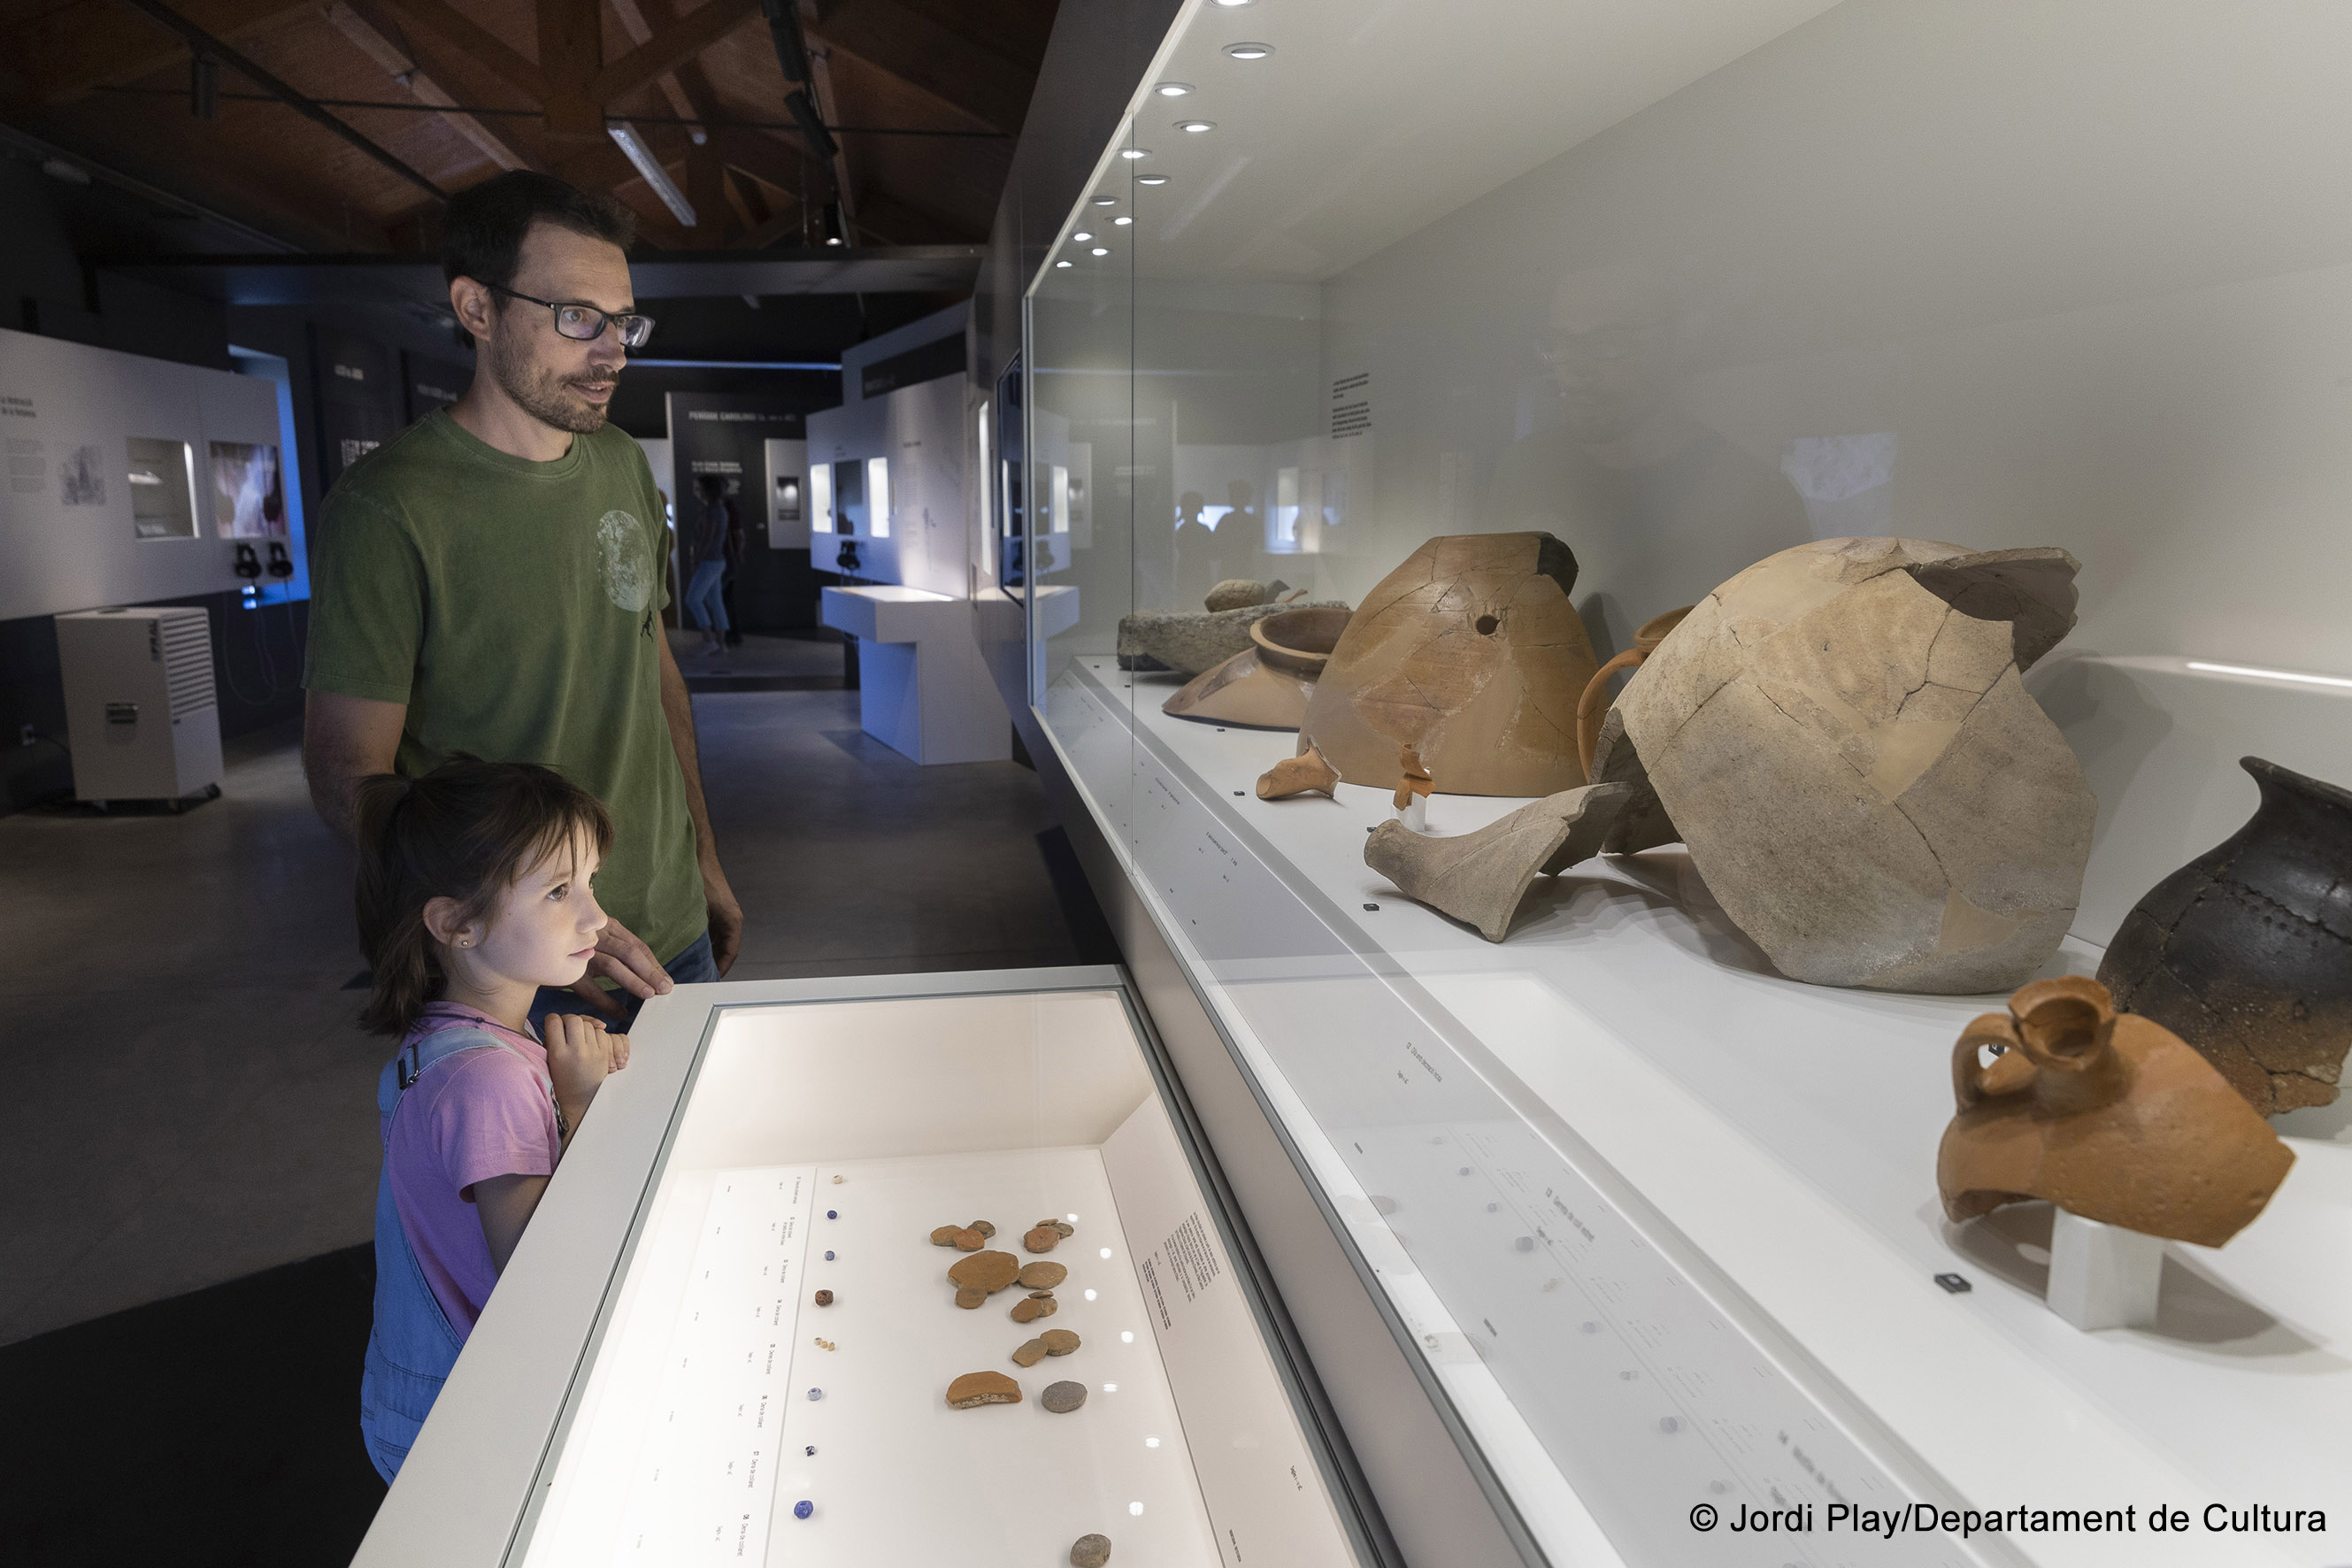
412	1347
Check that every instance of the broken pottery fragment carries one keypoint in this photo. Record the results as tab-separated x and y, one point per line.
982	1226
1471	653
977	1388
1029	1352
1190	641
1090	1551
1304	774
2246	952
946	1234
1841	736
1479	877
970	1240
1058	1341
1044	1239
1041	1275
1266	686
1061	1398
1029	1309
1062	1225
1594	703
989	1271
970	1296
2107	1115
1413	778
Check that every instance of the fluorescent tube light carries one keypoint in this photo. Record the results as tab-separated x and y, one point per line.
2270	673
641	157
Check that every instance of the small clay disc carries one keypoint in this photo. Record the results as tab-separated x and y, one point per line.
1064	1226
1029	1353
1058	1341
946	1234
1090	1551
1061	1398
970	1296
1044	1238
976	1388
990	1271
1029	1309
982	1226
970	1240
1038	1275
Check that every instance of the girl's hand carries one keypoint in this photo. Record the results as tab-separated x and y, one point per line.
579	1055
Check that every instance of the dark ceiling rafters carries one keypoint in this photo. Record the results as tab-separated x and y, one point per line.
900	112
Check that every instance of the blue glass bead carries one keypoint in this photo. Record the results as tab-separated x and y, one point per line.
816	1393
803	1508
828	1257
832	1214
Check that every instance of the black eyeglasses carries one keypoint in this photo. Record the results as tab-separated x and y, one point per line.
585	323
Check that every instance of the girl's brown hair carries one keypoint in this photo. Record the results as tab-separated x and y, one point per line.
468	830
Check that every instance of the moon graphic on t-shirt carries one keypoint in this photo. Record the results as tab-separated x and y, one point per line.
628	569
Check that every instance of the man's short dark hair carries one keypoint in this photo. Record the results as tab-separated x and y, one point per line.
487	222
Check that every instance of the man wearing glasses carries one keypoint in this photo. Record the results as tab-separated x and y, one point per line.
492	580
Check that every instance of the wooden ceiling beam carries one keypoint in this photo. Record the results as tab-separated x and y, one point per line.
670	48
706	193
376	35
992	91
641	31
570	53
475	42
98	43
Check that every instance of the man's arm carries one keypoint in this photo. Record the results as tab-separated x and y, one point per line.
726	914
345	740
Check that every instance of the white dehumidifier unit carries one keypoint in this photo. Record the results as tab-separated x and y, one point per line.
141	712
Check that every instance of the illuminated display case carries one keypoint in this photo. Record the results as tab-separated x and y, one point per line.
730	1336
1656	1228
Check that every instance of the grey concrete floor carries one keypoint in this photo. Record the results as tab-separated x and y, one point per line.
187	1100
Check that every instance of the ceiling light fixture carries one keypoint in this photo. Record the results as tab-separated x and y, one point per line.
1131	154
1105	201
1082	237
633	146
1121	221
1150	179
1231	4
1249	51
1061	264
1174	88
1194	127
1098	250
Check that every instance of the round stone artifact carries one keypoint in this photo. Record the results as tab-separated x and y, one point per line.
982	1226
1041	1275
993	1271
825	1297
1044	1238
1090	1551
974	1389
804	1508
970	1296
1030	1352
1061	1398
946	1234
1029	1309
1058	1341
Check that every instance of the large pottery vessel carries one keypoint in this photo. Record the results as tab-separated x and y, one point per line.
2246	952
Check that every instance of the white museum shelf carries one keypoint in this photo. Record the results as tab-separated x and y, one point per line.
923	689
1768	1143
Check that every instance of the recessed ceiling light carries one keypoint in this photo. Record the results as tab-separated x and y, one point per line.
1105	201
1082	237
1121	221
1131	154
1150	179
1249	51
1196	126
1098	250
1061	264
1174	88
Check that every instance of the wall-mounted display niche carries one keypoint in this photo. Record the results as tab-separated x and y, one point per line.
162	475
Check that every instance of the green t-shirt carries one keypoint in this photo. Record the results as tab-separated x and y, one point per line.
516	608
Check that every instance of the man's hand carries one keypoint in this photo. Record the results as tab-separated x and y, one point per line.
726	917
622	958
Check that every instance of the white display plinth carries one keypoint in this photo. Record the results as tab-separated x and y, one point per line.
923	690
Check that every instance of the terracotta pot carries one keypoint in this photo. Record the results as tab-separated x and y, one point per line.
2108	1117
2246	952
1299	641
1593	706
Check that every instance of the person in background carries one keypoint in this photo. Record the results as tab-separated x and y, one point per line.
709	541
491	580
475	889
734	556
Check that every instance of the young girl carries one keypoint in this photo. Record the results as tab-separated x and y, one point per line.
473	893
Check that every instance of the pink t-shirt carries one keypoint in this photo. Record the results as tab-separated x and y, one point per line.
471	1116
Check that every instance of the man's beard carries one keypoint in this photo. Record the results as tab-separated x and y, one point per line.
542	393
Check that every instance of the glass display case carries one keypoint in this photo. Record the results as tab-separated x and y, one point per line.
1685	286
741	1325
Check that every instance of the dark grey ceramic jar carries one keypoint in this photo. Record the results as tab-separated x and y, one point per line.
2246	952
